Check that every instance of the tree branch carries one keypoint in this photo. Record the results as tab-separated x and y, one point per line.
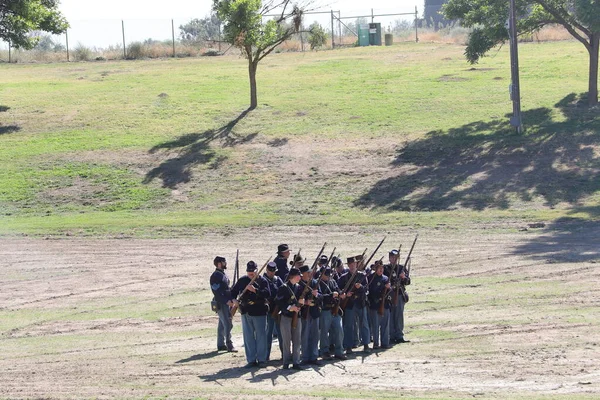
568	23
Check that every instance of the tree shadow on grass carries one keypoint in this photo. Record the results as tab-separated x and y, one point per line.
484	164
567	240
4	129
194	149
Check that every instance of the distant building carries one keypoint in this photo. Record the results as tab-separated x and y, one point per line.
432	15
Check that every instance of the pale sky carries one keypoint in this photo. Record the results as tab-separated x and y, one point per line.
154	9
97	23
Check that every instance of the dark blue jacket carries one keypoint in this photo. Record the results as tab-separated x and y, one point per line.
282	267
314	311
287	295
327	289
359	295
274	286
390	271
219	284
376	290
254	304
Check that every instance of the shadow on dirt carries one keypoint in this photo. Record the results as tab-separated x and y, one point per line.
193	149
566	240
4	129
485	164
270	374
198	357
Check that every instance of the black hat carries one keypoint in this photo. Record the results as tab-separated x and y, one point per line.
327	272
359	257
219	259
394	252
271	266
336	262
283	247
323	259
297	258
304	268
378	263
294	272
351	260
251	266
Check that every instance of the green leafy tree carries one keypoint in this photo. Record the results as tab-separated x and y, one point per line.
201	30
244	28
317	36
18	18
581	18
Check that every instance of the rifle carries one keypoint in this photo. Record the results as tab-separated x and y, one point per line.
374	252
398	287
305	291
407	264
344	302
235	306
236	271
328	261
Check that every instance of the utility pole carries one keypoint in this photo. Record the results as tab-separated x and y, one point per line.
515	90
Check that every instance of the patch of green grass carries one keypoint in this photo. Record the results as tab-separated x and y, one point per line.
165	139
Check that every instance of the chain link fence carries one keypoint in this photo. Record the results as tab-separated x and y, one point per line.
134	39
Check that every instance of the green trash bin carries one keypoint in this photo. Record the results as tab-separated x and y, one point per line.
389	39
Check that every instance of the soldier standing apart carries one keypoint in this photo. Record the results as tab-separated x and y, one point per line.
331	325
398	283
283	253
310	317
380	327
275	283
289	303
355	307
254	308
219	284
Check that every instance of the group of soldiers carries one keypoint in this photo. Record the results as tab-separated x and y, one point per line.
324	311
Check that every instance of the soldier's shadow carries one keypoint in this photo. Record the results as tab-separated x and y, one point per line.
197	357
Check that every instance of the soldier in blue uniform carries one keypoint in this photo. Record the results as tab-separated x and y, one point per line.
311	312
289	302
254	307
332	334
379	290
398	281
338	268
355	318
219	284
283	253
275	283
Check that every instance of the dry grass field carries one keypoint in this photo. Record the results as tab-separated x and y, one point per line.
498	310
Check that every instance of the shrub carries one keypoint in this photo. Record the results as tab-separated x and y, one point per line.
82	53
136	51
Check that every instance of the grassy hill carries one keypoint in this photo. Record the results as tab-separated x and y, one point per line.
409	134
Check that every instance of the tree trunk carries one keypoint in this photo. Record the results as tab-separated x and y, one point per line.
593	78
252	66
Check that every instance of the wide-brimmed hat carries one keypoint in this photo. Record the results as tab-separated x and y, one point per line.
297	259
283	247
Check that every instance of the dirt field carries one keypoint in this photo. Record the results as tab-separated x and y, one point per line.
496	311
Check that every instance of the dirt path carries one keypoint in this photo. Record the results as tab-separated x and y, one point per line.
494	312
